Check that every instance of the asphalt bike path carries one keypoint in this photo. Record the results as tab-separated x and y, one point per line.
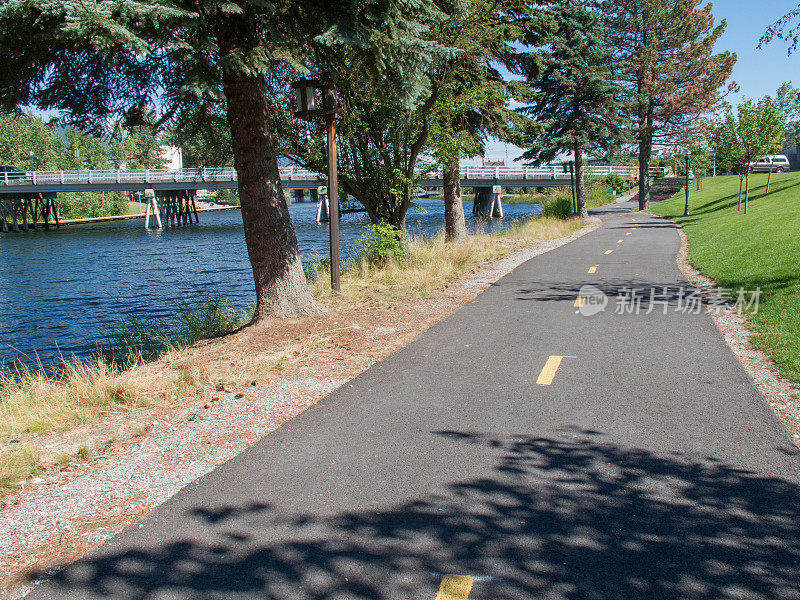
538	443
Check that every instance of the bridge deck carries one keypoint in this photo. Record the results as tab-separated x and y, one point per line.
48	182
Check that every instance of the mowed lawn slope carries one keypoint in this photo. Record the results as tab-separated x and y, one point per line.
757	249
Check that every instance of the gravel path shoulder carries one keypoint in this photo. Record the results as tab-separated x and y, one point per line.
782	394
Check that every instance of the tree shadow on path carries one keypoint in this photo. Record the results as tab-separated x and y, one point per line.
571	517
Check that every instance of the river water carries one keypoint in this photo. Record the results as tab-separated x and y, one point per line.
62	291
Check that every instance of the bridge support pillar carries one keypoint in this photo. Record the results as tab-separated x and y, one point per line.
488	202
152	206
323	209
33	209
177	207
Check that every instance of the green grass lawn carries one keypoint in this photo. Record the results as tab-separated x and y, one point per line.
757	249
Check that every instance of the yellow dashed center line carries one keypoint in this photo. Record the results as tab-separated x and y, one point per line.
549	370
593	269
454	587
628	233
608	252
579	301
619	241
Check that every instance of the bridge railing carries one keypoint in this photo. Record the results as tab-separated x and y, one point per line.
212	175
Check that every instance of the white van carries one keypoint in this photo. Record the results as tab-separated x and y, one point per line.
776	163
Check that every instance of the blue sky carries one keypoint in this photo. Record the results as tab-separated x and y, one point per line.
757	71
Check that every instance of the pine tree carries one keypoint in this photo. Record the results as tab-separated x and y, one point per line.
666	63
92	60
576	100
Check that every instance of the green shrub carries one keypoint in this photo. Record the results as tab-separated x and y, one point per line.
381	243
617	182
560	207
229	197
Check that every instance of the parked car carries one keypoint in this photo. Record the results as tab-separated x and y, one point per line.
14	174
777	163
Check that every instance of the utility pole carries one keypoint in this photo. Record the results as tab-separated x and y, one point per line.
333	199
307	102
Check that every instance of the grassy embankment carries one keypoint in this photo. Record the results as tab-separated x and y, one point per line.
760	249
120	381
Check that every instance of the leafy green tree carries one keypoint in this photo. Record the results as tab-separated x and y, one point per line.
576	98
757	129
787	99
760	129
384	139
667	65
84	151
728	147
204	138
28	143
787	28
91	60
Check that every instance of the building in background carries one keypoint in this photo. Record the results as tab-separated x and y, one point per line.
173	157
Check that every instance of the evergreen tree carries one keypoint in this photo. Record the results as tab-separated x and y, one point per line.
666	63
91	60
576	100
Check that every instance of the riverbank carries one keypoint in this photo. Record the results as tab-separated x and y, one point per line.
48	420
757	250
237	389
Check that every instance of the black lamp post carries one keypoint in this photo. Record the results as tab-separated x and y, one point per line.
316	98
686	208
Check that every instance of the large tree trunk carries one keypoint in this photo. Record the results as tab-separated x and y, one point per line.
281	289
455	228
580	188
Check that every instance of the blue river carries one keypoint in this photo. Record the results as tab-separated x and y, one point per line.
62	291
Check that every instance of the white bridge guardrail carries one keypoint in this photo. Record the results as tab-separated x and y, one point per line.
215	175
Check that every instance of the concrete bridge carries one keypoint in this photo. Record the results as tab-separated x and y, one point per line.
28	197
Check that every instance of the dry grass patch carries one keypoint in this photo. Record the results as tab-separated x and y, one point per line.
432	263
35	402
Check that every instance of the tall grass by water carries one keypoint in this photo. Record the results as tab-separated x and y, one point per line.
138	340
39	401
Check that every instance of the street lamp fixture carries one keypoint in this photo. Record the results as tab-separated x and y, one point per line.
317	98
686	208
